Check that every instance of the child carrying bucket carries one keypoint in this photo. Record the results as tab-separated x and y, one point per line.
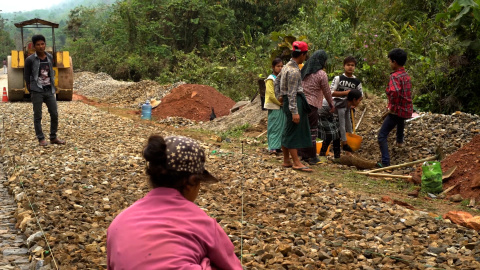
328	125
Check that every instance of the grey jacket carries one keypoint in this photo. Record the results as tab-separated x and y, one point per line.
32	67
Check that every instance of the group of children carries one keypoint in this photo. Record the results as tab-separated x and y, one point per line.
330	121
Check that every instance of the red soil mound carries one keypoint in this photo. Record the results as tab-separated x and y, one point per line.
194	102
467	174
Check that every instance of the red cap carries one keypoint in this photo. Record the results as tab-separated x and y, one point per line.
299	46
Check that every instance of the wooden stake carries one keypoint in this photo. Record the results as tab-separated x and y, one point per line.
449	173
262	134
447	190
472	202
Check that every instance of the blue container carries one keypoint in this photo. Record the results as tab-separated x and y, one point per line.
147	111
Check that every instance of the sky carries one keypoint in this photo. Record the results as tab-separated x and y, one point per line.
7	6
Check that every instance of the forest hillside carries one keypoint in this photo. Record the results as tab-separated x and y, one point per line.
229	44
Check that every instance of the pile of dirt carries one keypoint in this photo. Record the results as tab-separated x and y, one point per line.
466	176
194	102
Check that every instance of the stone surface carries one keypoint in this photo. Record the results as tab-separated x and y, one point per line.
326	226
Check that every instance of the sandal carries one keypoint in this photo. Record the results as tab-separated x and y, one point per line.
303	169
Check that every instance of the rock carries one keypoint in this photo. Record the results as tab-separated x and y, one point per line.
471	246
284	249
266	257
345	256
456	198
14	251
410	221
437	250
32	239
323	255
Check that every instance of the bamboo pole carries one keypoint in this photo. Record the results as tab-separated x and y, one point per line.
403	165
385	175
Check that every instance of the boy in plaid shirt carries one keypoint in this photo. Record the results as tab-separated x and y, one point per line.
400	105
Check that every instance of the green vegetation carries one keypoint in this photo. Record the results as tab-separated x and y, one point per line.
235	132
229	44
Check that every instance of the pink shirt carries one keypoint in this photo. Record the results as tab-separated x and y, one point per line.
315	87
164	230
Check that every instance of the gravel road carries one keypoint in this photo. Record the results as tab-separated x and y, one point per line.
291	220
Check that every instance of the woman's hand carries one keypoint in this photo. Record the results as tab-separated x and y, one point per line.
296	118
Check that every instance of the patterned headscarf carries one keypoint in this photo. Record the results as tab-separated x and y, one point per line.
316	62
186	155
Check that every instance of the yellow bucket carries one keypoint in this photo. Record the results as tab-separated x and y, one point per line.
354	141
319	147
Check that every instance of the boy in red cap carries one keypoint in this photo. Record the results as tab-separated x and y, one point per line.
288	89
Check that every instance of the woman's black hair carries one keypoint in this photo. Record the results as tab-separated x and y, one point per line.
398	55
276	61
354	94
155	152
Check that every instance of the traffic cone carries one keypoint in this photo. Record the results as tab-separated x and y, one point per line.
5	97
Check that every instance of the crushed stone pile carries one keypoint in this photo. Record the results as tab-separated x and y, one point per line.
176	121
103	88
98	86
193	101
291	220
136	94
250	114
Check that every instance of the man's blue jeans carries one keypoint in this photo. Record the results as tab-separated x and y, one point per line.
390	122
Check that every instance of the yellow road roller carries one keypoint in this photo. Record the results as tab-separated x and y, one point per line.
62	65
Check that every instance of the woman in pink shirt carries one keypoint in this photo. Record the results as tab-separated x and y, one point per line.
165	229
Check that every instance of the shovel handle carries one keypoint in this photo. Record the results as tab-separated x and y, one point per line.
353	120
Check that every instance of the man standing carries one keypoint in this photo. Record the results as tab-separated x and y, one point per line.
288	87
40	79
4	66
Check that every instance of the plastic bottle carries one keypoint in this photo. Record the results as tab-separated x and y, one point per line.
147	110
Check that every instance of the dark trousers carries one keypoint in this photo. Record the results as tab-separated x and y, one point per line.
38	98
390	122
311	152
326	143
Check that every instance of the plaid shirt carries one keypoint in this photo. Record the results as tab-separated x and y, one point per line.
399	94
289	82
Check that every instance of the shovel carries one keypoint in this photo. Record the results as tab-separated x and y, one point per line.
353	140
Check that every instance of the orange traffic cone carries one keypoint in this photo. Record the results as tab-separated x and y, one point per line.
5	97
